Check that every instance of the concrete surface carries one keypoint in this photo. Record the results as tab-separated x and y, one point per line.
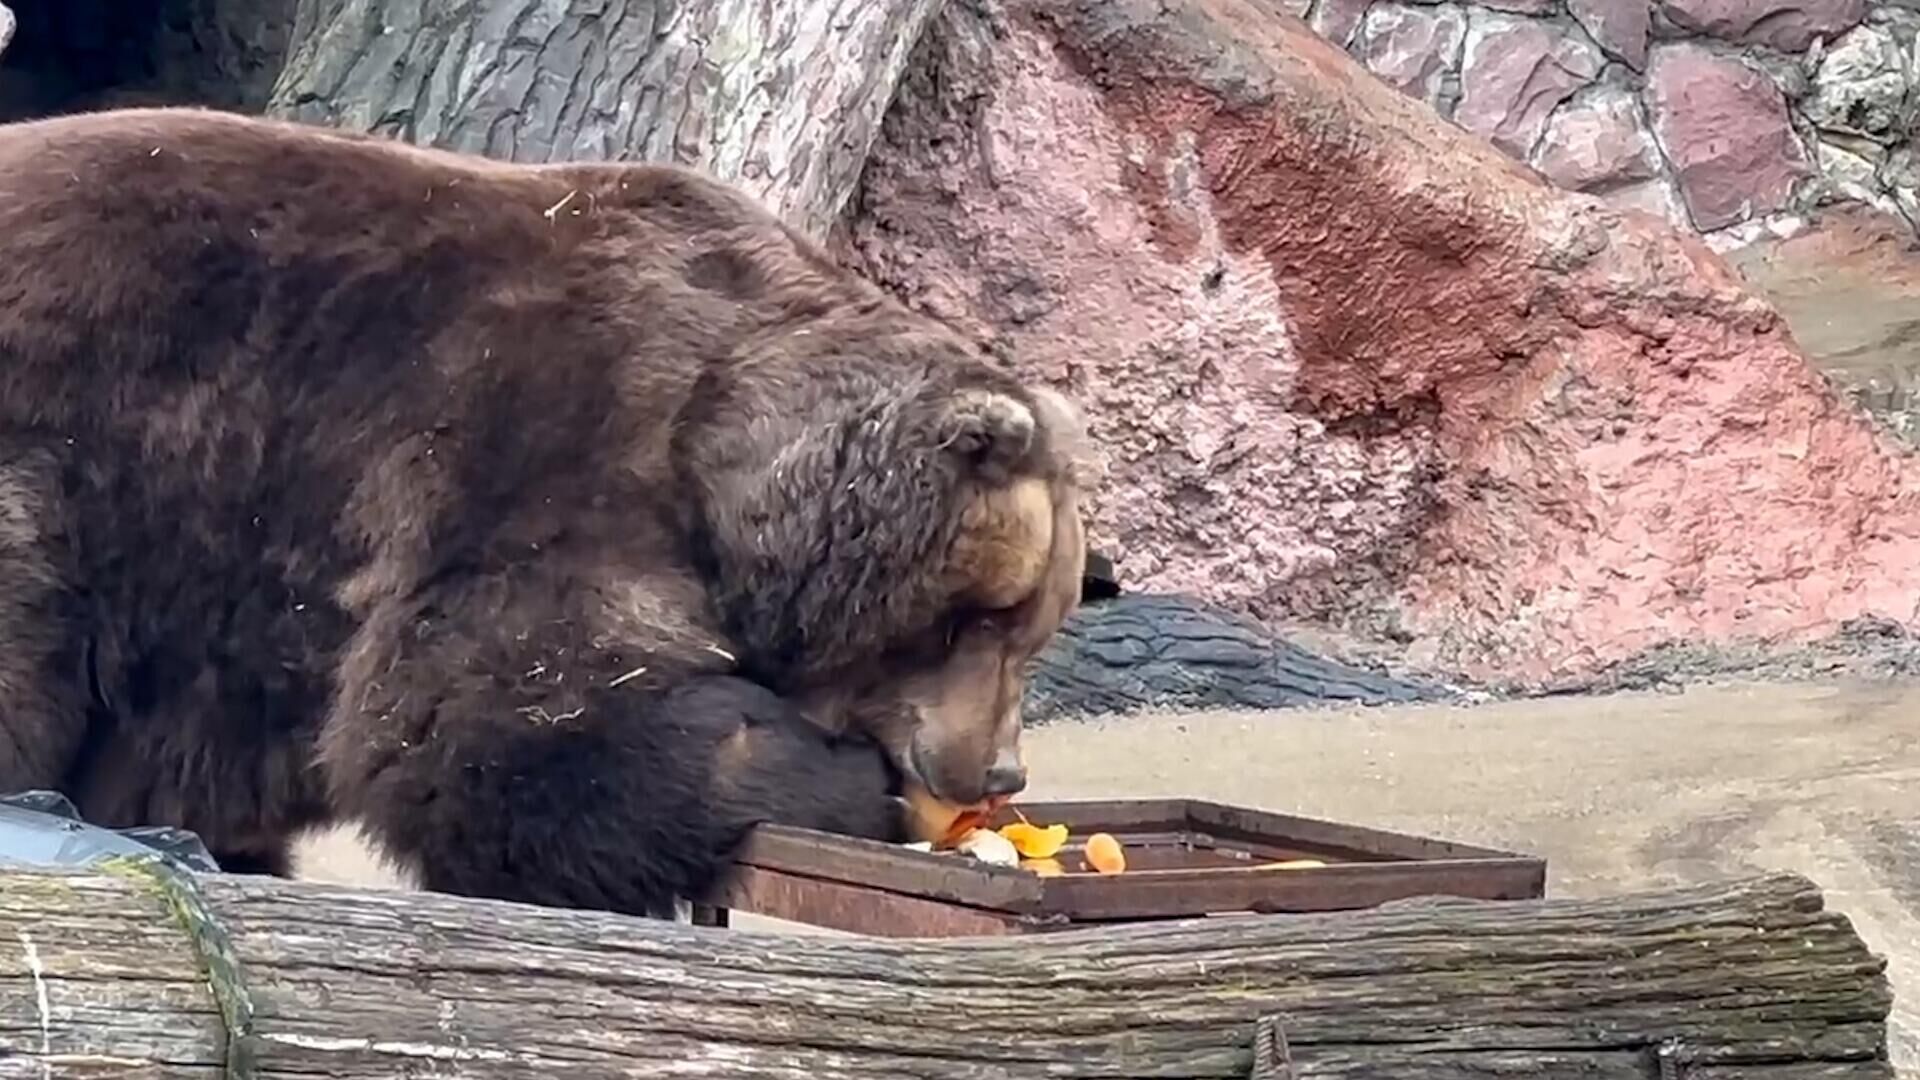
1618	792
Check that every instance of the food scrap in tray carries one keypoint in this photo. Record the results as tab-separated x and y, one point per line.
1021	843
1045	850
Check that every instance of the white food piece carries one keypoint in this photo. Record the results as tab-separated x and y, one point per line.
989	847
919	845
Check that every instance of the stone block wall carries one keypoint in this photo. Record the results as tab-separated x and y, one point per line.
1724	116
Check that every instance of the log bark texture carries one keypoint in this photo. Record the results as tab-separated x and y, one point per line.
1161	651
782	97
110	974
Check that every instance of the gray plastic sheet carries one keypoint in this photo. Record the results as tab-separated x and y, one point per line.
42	828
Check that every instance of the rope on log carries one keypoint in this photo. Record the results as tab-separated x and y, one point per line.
120	973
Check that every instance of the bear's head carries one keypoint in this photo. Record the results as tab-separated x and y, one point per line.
890	529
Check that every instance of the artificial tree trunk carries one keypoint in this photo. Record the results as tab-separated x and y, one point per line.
783	97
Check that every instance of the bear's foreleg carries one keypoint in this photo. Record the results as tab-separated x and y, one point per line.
43	658
488	743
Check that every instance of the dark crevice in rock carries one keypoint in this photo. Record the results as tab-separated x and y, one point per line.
72	56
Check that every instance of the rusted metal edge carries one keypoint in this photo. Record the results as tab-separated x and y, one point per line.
1397	846
889	867
1390	866
212	947
820	901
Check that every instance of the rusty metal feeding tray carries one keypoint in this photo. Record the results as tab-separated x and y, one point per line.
1185	858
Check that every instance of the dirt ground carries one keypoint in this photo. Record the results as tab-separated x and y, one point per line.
1617	792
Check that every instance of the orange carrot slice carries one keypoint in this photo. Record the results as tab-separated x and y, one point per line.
1104	854
1033	841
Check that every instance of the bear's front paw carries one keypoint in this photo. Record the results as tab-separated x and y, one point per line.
994	430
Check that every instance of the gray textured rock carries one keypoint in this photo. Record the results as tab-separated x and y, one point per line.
1338	20
1902	168
1724	126
1413	49
1861	86
1620	26
1787	25
1900	176
1597	141
1514	72
1849	175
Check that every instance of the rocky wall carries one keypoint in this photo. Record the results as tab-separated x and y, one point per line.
1352	366
1723	116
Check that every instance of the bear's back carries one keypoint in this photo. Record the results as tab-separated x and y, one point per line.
254	375
160	245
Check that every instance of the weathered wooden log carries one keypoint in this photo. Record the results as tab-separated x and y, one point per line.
783	98
1173	651
124	972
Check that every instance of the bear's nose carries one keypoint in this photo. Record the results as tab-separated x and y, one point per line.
1006	778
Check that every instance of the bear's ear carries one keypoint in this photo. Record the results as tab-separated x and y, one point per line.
995	432
1003	545
1069	443
990	430
1005	539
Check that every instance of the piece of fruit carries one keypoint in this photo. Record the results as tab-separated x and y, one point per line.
966	824
989	847
1033	841
930	818
1293	864
1044	867
1104	854
941	823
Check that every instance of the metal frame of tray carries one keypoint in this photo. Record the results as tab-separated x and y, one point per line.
856	885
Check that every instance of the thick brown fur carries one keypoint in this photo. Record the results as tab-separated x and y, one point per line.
556	523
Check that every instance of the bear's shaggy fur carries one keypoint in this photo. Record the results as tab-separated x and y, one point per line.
556	523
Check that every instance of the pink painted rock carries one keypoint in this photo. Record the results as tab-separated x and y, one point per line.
1412	48
1620	26
1597	142
1787	25
1724	126
1514	73
1338	20
1352	365
1655	197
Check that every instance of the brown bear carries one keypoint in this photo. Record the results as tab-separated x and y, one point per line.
556	524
